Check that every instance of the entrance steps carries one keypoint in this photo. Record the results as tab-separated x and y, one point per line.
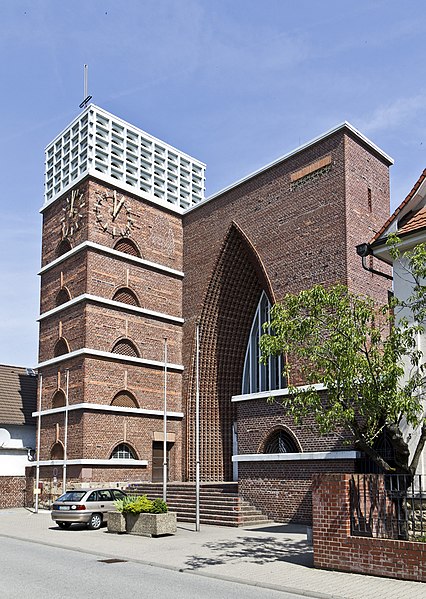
220	503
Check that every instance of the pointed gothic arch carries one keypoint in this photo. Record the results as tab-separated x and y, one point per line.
58	399
63	247
125	347
128	246
61	347
57	451
63	296
259	376
123	451
232	296
125	295
125	399
280	440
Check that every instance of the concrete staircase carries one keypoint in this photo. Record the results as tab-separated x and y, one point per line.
220	503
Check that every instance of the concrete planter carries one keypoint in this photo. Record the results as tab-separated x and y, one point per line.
145	525
151	525
116	522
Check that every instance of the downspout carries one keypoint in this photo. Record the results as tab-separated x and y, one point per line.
364	250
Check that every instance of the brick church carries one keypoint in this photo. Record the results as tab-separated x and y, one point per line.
133	256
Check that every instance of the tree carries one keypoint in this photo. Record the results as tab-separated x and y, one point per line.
368	362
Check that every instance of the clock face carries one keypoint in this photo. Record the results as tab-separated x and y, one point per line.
113	215
72	217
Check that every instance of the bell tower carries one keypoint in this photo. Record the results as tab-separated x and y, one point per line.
110	345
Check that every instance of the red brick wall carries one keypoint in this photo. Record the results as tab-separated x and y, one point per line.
282	490
336	549
157	233
287	238
13	491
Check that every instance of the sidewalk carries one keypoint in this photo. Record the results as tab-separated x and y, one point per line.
276	557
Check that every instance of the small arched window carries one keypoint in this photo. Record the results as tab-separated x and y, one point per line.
61	347
126	296
257	376
58	400
127	246
122	452
125	347
63	296
125	399
281	441
57	451
63	248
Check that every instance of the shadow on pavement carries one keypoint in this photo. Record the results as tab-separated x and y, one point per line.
257	551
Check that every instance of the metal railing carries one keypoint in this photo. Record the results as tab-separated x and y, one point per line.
389	506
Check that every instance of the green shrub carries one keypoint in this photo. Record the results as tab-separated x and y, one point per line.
120	504
159	506
140	504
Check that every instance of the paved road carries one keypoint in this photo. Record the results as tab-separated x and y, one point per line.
41	572
275	557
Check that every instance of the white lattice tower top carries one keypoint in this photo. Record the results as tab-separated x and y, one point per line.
98	143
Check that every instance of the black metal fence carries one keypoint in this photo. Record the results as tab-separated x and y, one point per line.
391	506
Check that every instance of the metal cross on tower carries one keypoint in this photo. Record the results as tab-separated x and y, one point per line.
86	97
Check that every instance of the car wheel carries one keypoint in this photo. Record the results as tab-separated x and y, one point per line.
63	524
95	521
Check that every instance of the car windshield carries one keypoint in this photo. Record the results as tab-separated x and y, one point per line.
72	496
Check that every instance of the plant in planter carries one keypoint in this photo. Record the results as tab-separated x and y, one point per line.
140	516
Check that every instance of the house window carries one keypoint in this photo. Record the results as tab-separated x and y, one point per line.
256	376
122	452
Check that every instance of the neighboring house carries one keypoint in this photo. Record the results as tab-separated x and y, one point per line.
18	396
408	222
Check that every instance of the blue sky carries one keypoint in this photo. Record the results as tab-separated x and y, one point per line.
235	83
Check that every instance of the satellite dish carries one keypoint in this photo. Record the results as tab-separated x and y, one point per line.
4	436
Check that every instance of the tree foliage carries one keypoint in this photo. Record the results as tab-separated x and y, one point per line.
362	356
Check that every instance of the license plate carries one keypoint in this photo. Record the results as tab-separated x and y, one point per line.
64	507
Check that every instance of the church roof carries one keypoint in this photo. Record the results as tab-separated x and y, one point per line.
18	395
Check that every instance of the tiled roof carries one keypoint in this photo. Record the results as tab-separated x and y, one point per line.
400	207
417	221
18	395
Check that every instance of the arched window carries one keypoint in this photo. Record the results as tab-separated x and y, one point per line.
63	296
125	399
280	441
61	347
57	451
58	400
122	452
256	376
127	246
63	248
125	347
126	296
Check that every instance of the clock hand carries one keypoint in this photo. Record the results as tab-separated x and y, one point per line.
117	208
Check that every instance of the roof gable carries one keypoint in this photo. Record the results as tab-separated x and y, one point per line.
18	395
409	216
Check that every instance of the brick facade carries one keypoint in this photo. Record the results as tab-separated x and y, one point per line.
336	549
284	229
13	492
94	324
280	231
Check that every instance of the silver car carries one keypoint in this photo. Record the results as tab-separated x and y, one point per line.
88	506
